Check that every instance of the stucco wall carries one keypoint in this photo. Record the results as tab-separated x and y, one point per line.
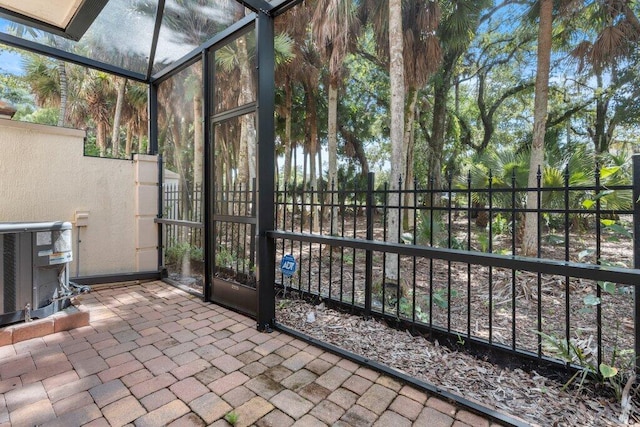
45	177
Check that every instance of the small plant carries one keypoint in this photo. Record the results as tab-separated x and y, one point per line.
224	257
197	253
440	297
500	225
177	252
284	303
232	418
456	244
406	308
572	351
483	241
429	227
617	230
348	259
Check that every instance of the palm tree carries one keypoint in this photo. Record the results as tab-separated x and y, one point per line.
121	87
96	91
135	117
335	27
614	31
620	30
41	74
293	24
422	56
406	42
61	67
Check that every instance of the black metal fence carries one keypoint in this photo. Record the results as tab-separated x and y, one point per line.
234	233
179	203
455	269
183	234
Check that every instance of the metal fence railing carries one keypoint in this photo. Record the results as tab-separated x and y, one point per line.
183	234
234	233
455	270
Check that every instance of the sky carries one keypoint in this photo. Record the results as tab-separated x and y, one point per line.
10	62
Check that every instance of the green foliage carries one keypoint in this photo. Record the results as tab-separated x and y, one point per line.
407	308
431	230
430	227
177	252
347	259
224	257
455	243
90	147
608	374
16	91
232	418
43	116
440	297
616	230
500	225
483	241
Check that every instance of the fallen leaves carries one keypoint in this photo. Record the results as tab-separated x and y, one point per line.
527	395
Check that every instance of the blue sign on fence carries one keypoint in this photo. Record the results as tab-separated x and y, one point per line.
288	265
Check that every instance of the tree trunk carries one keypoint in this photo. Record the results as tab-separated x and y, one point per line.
409	143
600	136
121	87
288	146
247	159
439	127
198	141
397	88
332	137
101	137
64	91
530	239
312	125
141	135
129	141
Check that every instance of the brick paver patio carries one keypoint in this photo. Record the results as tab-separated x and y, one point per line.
154	355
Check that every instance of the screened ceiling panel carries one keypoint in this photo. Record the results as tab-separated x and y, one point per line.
122	35
188	24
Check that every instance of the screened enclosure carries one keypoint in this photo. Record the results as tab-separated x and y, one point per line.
209	69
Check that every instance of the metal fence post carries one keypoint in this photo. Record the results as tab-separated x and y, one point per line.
265	213
369	254
636	255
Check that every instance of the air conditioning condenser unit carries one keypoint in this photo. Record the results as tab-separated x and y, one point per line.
34	269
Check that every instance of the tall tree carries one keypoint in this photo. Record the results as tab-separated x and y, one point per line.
530	238
617	28
398	159
456	31
293	24
96	91
611	31
121	87
422	56
335	27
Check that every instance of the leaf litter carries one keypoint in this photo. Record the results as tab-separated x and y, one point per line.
530	396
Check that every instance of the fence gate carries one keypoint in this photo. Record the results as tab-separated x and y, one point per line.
232	172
